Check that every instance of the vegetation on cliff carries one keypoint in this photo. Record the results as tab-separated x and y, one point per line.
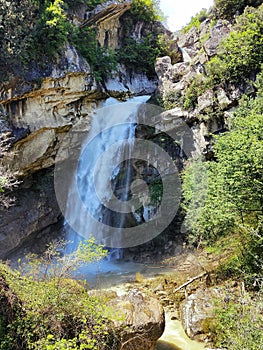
223	198
239	57
33	34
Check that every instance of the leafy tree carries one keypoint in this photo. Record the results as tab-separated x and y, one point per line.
233	189
52	28
146	10
229	9
16	19
133	53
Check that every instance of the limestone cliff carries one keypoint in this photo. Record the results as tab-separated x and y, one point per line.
198	45
39	112
40	107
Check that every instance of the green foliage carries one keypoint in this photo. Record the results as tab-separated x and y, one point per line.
16	18
206	212
196	20
54	265
156	191
53	312
102	60
172	99
73	4
196	88
52	28
234	184
238	324
139	54
242	52
166	45
146	10
229	9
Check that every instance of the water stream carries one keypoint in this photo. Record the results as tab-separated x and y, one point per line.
175	338
94	194
98	204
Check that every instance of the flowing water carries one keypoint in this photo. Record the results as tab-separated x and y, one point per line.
175	338
104	172
92	178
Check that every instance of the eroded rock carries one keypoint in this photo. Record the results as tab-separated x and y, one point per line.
141	322
197	313
33	216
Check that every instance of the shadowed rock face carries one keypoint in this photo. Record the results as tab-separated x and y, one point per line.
34	215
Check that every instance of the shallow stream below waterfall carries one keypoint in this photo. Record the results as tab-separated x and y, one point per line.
116	274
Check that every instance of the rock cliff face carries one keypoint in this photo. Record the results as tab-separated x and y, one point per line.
198	45
40	110
36	216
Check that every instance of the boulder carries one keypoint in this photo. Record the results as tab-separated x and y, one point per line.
141	320
197	313
219	31
206	100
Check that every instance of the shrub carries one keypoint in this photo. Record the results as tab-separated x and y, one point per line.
102	61
16	37
195	89
146	10
73	4
139	55
196	20
52	29
230	188
238	324
48	310
241	53
172	99
229	9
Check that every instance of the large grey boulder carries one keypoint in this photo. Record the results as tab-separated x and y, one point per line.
140	320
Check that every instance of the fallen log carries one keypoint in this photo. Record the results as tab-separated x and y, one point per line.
190	281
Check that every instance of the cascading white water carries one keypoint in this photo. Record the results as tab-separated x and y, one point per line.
94	183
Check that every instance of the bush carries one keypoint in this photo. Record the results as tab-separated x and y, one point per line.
16	37
52	29
73	4
196	88
238	324
146	10
241	53
139	55
196	20
102	61
46	310
172	99
227	193
229	9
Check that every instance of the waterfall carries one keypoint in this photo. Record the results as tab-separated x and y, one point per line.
186	57
104	175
